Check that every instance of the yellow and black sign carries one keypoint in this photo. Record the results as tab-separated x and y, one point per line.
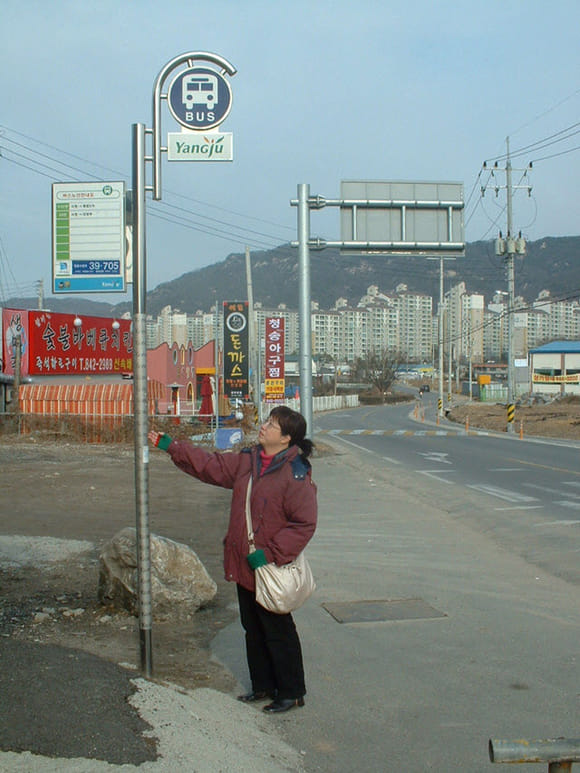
511	412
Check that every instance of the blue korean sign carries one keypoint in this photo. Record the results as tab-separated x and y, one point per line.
200	98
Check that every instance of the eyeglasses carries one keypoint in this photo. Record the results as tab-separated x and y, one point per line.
271	424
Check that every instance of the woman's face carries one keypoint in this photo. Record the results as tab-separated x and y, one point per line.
271	438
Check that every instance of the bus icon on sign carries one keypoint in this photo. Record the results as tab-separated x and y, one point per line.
199	89
199	98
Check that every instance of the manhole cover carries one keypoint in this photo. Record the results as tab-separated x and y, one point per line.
377	611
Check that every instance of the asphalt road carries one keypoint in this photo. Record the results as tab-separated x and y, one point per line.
435	625
524	493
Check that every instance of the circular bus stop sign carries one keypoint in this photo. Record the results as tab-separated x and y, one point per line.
200	98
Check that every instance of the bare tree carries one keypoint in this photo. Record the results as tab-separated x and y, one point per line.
378	368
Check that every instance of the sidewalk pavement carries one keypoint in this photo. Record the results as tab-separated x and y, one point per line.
500	659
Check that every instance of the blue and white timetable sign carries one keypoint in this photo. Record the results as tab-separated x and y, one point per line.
200	98
88	237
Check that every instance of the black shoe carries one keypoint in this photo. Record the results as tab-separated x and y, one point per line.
283	704
255	695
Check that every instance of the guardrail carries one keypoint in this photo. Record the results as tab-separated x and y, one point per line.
559	753
319	404
118	428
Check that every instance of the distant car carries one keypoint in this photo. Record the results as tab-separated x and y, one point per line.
424	388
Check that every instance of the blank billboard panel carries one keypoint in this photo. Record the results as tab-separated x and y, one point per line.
424	218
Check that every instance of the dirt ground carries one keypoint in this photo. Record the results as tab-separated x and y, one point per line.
86	492
78	491
558	419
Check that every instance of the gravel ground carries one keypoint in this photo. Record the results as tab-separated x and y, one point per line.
61	503
557	419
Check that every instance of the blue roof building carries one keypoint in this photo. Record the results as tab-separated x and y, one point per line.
558	347
555	368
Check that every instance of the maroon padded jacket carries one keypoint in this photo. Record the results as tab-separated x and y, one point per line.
283	502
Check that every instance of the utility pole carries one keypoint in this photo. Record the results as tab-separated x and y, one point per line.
511	290
40	290
507	248
216	356
17	344
449	348
255	381
440	332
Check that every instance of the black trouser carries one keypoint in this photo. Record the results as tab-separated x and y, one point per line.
272	648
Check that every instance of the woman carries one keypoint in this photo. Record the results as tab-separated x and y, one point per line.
284	511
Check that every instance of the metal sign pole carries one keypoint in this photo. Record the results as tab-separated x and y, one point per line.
185	116
304	305
140	400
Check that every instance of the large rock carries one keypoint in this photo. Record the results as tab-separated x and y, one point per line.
180	584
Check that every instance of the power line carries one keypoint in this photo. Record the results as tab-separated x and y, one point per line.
165	207
126	176
547	111
539	144
563	153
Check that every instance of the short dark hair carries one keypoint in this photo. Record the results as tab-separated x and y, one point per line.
294	424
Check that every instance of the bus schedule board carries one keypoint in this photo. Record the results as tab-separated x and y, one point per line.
88	237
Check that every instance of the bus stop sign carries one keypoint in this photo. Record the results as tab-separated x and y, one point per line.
200	98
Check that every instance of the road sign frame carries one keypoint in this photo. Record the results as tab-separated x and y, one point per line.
402	217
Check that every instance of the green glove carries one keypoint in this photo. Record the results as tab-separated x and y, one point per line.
164	442
257	559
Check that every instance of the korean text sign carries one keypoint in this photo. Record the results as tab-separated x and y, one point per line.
97	345
274	359
236	342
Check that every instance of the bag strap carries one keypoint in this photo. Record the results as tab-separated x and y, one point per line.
249	517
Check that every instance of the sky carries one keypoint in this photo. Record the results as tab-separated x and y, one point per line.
326	90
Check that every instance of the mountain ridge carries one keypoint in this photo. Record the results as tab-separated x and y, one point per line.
550	263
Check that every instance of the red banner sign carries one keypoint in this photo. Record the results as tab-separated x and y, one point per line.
274	373
52	344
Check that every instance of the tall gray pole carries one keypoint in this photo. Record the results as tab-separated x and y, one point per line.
449	350
510	243
440	331
216	356
140	400
304	305
252	334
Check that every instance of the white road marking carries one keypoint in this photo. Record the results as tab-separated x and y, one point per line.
354	445
567	503
436	474
518	507
501	493
548	490
557	523
435	456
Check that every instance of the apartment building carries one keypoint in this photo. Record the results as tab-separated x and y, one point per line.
545	320
401	321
